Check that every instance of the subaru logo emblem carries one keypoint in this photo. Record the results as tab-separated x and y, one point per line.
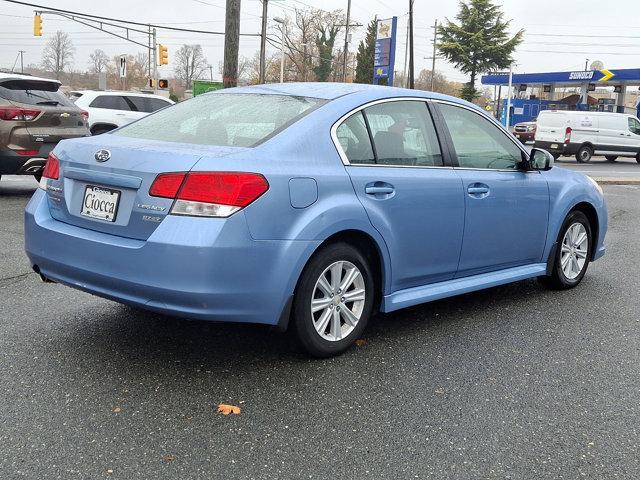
102	155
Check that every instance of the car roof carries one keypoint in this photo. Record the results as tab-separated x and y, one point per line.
18	76
332	91
120	93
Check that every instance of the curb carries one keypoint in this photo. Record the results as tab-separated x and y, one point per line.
616	181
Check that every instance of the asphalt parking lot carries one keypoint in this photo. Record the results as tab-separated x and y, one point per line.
513	382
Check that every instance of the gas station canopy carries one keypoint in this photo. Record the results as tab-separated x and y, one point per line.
604	77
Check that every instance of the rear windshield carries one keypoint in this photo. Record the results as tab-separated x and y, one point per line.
230	120
33	92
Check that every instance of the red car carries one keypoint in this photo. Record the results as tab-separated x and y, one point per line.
525	131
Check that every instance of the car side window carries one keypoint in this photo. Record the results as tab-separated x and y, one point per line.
403	134
634	125
113	102
147	104
354	140
478	142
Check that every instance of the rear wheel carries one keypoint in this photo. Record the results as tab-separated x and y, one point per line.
572	253
333	300
638	157
611	158
584	154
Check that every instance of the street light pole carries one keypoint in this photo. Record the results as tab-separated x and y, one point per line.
282	25
263	42
411	66
509	96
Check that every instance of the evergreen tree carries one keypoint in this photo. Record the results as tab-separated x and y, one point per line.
479	42
364	57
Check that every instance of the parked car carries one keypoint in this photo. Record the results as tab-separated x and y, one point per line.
585	134
34	117
525	131
311	206
112	109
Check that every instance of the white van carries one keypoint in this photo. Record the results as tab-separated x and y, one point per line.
585	134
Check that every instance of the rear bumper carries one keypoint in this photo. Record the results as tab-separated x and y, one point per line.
556	147
13	164
200	268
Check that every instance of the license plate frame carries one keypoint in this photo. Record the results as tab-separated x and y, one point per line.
103	194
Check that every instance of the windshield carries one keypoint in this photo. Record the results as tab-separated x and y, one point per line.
230	120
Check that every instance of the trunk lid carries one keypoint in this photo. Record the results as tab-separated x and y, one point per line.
122	181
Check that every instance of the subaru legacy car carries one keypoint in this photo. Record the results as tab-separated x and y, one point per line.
308	207
34	117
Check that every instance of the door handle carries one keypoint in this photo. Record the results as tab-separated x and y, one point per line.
378	190
478	190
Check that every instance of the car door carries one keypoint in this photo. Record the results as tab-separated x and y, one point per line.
111	109
393	156
506	215
632	135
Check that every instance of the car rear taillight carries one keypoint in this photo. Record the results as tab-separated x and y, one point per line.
27	152
567	135
18	114
85	114
51	170
209	194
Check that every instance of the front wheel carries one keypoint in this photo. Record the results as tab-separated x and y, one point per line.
584	154
572	253
333	300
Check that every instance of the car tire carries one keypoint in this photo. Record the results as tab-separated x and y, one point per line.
611	158
337	321
638	157
570	262
584	154
556	156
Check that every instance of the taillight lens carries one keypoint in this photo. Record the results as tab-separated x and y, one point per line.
18	114
85	114
51	170
27	152
567	135
209	194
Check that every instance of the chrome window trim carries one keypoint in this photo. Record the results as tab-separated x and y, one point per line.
340	121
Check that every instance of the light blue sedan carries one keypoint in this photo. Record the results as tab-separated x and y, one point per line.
308	206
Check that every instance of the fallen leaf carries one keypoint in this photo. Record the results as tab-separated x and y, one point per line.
117	410
440	391
109	472
225	409
169	458
361	342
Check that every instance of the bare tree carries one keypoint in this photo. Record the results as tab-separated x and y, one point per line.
309	39
58	53
98	61
190	64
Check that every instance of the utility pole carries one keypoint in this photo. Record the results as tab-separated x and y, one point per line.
509	96
346	43
231	44
211	72
155	58
263	43
433	60
22	52
586	64
411	66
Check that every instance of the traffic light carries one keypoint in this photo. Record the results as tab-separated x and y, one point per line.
163	54
37	25
162	83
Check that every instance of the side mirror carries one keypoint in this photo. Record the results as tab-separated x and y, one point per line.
540	160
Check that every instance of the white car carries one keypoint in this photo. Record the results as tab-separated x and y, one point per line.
584	134
112	109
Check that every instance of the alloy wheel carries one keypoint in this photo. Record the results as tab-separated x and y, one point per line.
338	300
574	250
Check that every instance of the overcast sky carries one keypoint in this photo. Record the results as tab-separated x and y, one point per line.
584	29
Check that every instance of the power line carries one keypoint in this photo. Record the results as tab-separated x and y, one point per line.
130	22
